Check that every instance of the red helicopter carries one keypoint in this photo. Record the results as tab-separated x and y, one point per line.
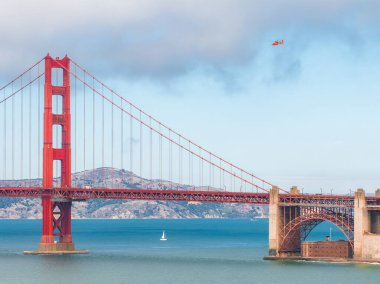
278	42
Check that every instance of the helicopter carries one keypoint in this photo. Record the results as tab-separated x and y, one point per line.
278	42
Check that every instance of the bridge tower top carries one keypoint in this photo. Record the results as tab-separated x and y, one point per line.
62	118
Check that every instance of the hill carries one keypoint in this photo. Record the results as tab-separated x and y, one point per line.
16	208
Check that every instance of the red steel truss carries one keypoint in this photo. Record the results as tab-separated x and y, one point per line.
136	194
297	229
325	201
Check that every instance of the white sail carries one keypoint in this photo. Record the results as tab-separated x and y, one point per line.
163	237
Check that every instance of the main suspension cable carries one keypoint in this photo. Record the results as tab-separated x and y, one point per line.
174	132
202	159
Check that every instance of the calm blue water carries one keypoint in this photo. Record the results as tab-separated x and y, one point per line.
197	251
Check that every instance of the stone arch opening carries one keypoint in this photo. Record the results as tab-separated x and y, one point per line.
323	230
298	229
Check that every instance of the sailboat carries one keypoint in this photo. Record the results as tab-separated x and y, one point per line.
163	237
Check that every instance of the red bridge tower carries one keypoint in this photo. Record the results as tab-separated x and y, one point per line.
56	214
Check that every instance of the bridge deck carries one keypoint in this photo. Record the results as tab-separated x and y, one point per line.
182	195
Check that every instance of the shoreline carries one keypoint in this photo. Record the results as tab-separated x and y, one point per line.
323	259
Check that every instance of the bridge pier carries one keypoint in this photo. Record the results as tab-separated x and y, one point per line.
56	228
274	221
56	223
360	222
367	228
279	216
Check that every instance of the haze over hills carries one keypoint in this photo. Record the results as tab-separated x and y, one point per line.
16	208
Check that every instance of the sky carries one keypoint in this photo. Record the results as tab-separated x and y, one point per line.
304	113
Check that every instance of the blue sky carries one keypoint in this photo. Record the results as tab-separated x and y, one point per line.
305	113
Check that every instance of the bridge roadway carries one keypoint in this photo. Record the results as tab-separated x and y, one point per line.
319	200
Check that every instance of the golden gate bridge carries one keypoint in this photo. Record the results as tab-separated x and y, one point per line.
59	119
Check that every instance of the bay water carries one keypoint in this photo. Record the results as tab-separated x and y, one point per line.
197	251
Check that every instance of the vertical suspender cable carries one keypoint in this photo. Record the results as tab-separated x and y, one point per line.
231	187
245	186
202	173
22	135
200	170
141	153
103	170
30	128
252	183
93	130
151	150
224	184
234	181
122	142
56	128
170	160
39	124
241	180
210	179
179	159
122	135
220	173
5	139
112	138
13	136
75	123
189	165
84	128
131	141
192	168
160	151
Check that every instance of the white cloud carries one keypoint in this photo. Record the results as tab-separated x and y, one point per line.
162	37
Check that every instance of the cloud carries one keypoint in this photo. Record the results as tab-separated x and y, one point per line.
160	38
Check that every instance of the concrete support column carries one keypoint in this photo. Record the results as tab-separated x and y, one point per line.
361	222
274	221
